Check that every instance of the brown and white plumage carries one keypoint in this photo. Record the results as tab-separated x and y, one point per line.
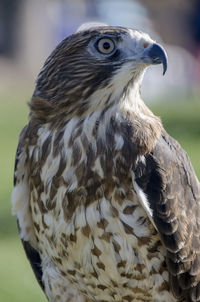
107	202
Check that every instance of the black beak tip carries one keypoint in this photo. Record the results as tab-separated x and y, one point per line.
164	63
164	68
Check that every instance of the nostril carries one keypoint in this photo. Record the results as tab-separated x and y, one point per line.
146	44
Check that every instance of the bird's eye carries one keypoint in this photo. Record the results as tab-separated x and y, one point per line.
105	46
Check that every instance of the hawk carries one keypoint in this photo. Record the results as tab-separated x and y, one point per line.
107	203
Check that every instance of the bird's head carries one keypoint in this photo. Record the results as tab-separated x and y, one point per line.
93	68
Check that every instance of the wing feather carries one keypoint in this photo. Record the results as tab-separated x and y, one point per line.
21	208
173	191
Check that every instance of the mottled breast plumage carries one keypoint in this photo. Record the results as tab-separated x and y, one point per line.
104	237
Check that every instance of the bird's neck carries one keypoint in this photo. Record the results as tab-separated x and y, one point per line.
127	119
123	114
131	113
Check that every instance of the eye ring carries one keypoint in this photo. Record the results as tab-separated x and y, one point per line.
105	46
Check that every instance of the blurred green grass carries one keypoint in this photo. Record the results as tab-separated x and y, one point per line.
181	120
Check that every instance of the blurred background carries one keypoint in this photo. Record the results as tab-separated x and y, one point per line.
29	31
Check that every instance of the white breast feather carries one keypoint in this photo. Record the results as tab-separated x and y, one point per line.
143	200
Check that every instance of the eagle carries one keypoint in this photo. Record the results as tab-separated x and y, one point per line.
107	203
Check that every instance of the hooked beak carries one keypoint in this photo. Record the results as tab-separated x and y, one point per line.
155	54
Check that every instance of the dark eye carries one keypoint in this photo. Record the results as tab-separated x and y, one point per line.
105	46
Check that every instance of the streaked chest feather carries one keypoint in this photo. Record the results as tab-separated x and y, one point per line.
88	216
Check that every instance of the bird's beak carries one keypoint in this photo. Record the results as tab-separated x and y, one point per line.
155	54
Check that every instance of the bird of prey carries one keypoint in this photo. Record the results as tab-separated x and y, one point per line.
107	203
